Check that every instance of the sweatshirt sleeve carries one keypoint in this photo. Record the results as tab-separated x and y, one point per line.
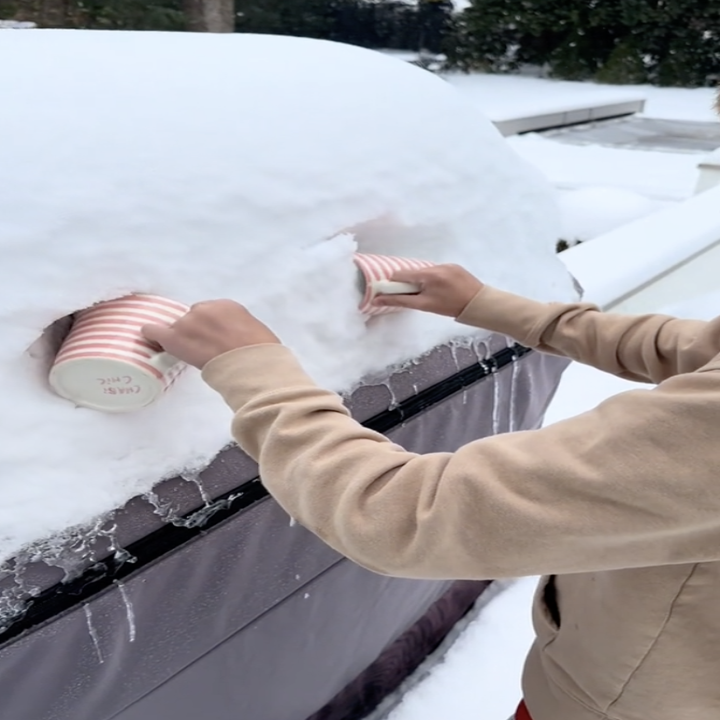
645	348
632	483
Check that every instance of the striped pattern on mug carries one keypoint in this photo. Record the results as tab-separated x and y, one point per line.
377	270
112	330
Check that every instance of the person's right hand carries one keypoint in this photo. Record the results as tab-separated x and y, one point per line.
444	290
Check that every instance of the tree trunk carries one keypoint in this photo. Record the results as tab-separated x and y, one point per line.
210	15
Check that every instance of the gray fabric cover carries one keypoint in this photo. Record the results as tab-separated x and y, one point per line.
255	619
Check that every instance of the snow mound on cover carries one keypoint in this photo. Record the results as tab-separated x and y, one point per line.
202	166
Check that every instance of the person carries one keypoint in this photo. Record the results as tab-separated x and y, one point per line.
618	508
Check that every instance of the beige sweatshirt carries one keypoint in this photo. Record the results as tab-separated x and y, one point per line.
622	503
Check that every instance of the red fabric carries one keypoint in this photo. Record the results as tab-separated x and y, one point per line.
522	713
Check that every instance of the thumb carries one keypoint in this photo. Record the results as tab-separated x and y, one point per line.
159	334
414	277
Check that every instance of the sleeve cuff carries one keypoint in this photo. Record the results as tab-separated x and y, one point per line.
243	374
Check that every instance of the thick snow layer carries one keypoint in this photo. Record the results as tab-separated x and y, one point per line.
196	166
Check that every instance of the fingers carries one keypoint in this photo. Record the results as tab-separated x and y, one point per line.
410	302
400	301
157	333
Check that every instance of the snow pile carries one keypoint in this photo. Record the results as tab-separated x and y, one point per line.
592	211
479	677
16	25
197	166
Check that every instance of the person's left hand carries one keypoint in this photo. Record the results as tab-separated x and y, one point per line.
208	330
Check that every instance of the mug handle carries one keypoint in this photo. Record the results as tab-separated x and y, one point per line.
163	361
391	287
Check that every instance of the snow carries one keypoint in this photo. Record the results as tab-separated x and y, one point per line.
474	681
195	166
598	188
634	255
16	25
703	307
663	176
504	97
593	211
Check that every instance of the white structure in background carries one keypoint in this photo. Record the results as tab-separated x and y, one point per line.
16	25
709	172
561	114
667	258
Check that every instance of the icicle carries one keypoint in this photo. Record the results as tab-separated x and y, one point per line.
68	551
453	352
163	510
293	522
481	348
93	634
128	610
194	478
513	381
196	519
14	600
464	401
393	398
120	554
496	403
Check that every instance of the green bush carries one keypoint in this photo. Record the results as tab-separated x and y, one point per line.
132	14
98	14
667	42
392	24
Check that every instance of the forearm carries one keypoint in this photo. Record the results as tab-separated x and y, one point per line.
647	348
609	489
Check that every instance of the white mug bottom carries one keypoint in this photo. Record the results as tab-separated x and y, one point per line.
105	384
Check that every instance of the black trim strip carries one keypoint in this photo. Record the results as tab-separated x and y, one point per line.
425	399
102	575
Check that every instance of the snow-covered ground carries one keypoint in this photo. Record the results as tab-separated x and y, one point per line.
478	676
502	97
598	188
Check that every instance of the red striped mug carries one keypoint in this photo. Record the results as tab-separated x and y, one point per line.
374	279
106	364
